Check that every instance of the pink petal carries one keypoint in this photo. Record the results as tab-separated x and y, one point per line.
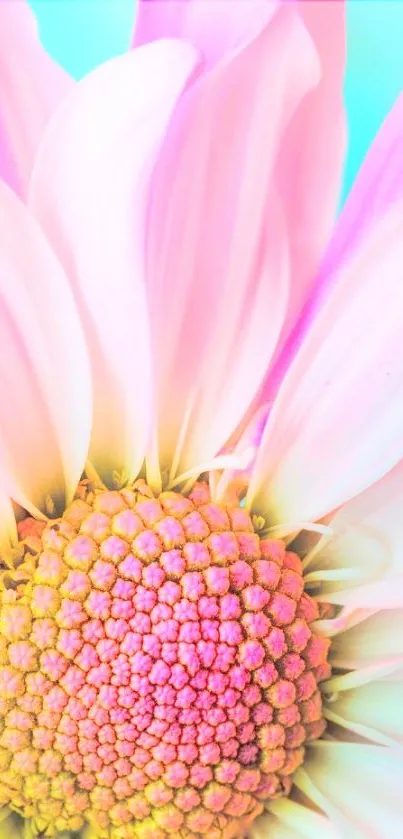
31	86
336	424
234	482
8	529
216	29
89	191
45	414
217	245
378	186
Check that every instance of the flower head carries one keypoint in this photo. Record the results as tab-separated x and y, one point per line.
201	457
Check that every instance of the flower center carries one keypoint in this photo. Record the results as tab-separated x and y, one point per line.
159	674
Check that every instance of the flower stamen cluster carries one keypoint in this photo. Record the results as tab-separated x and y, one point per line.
158	669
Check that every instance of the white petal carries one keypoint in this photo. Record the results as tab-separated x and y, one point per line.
287	819
371	641
369	533
376	705
360	786
347	562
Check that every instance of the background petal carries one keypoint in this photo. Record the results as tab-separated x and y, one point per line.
379	184
45	414
31	86
216	29
89	191
312	156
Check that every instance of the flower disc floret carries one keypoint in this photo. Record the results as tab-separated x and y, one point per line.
159	673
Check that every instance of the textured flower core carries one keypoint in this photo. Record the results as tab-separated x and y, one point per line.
158	672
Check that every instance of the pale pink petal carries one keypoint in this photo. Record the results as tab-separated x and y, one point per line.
216	28
359	786
368	537
372	641
336	423
31	86
89	191
308	170
217	244
378	186
45	413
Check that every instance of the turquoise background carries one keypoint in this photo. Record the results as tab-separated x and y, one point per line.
82	33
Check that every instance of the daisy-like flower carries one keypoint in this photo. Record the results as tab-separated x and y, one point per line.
201	584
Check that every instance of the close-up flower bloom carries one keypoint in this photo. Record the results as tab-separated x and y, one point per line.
201	447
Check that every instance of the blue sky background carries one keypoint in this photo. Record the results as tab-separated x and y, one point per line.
82	33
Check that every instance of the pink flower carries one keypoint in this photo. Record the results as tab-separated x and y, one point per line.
200	433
